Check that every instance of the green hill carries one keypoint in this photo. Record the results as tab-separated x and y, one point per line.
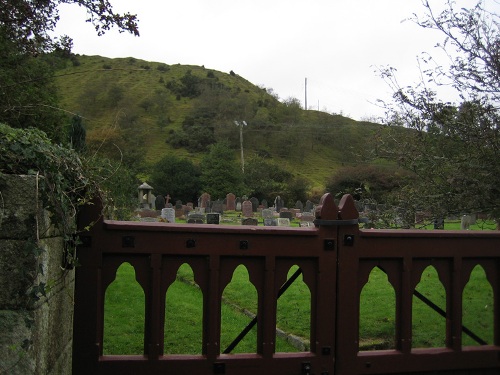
145	110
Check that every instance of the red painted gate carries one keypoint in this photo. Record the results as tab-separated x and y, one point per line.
335	259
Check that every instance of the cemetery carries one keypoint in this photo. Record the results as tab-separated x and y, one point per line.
230	211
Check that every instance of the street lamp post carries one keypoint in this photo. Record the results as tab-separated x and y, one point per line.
241	124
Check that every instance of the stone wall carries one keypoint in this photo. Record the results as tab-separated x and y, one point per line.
36	334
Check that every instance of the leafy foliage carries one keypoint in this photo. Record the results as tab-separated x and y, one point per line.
63	185
453	149
220	172
29	23
177	177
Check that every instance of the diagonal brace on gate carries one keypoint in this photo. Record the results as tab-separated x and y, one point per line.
252	323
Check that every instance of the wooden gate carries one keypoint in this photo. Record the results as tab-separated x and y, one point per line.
335	259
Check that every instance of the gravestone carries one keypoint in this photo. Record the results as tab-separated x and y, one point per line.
255	204
195	218
204	200
249	221
246	208
465	222
267	214
309	206
168	214
307	224
283	222
238	206
299	206
213	218
269	222
230	202
159	202
264	203
178	204
286	215
307	217
217	207
278	203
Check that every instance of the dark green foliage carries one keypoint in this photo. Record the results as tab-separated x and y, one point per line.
366	182
220	172
453	148
63	184
77	134
196	135
163	67
177	177
28	96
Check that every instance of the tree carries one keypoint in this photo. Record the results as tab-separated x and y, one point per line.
77	134
220	172
177	177
452	148
30	23
29	54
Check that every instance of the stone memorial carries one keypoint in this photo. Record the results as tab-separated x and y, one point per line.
246	208
283	222
299	206
249	221
309	206
217	207
269	222
230	202
267	214
286	215
278	203
213	218
255	204
168	214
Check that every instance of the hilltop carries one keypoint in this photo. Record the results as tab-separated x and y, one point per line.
145	110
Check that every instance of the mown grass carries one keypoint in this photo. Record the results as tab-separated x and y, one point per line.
124	313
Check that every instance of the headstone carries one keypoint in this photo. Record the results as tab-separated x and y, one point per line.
270	222
238	206
283	222
196	218
178	204
246	208
267	214
465	222
168	214
278	203
286	215
159	202
309	206
307	224
213	218
264	203
217	207
249	221
231	202
299	206
255	204
307	217
204	200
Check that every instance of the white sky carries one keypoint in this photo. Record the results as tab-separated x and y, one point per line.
336	44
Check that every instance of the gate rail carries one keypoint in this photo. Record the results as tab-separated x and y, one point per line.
335	259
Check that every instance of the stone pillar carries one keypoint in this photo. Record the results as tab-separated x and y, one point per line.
36	330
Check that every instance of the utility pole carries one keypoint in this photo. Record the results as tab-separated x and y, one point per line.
305	95
241	124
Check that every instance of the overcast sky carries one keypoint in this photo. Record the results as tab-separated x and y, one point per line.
335	44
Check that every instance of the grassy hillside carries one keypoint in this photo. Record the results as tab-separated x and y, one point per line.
145	110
